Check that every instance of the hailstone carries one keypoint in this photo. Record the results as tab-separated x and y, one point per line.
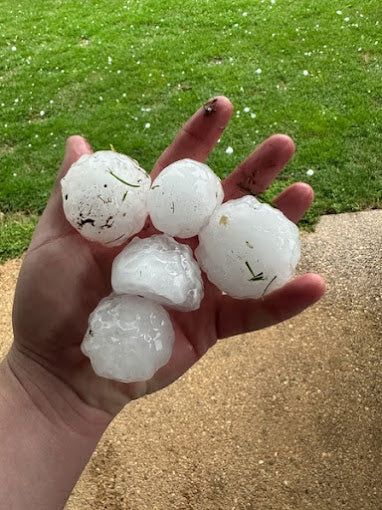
104	197
128	339
161	269
248	248
183	197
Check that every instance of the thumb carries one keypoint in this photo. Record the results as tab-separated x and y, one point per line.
53	223
76	146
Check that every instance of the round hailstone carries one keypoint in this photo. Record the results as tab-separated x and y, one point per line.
161	269
104	197
248	248
183	197
128	339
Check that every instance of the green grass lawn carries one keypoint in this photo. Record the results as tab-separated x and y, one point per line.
106	69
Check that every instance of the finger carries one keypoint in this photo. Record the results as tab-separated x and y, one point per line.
53	223
295	200
199	135
255	174
76	146
242	316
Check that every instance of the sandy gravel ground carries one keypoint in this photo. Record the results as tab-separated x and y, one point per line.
287	418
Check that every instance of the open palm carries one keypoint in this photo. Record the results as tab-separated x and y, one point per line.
63	276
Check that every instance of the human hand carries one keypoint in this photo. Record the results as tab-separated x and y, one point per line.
63	276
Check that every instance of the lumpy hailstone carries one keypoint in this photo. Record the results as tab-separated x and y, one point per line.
183	197
161	269
129	338
104	197
248	248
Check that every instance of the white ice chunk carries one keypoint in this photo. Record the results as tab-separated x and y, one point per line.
161	269
183	197
104	197
128	339
248	248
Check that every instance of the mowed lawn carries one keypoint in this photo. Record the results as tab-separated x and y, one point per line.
129	73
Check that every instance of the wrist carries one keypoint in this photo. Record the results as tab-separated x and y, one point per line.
30	385
48	435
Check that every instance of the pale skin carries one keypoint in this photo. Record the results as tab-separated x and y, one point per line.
53	407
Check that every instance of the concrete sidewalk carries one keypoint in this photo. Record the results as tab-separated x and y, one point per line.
287	418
